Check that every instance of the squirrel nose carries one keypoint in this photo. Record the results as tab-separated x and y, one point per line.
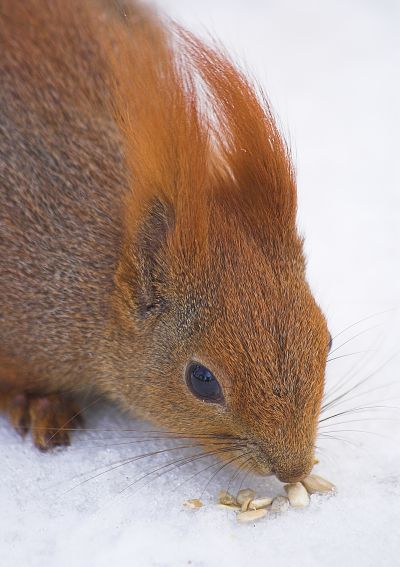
294	472
290	477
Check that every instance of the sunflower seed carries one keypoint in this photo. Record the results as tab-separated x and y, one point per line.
231	508
251	515
244	495
193	503
227	499
297	494
258	503
314	483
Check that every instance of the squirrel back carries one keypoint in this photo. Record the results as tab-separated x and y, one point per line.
61	183
149	247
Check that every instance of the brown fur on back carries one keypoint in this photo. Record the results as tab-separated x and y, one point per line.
147	212
61	181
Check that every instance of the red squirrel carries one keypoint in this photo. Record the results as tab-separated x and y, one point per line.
148	241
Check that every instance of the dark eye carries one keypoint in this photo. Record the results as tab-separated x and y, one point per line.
330	342
203	383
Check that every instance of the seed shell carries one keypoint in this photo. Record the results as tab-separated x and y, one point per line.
227	499
193	503
258	503
251	515
244	495
297	494
314	483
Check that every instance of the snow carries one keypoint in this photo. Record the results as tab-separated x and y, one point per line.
331	71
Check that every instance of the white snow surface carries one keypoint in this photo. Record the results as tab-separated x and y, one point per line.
331	70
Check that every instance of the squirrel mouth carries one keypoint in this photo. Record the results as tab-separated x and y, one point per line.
292	474
264	470
285	472
290	478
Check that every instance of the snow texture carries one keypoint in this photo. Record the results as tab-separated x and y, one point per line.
331	71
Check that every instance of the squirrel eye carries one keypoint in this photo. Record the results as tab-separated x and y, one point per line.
202	383
330	342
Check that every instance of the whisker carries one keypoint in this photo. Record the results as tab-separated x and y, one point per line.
147	440
360	383
361	409
252	467
365	409
345	355
74	417
110	466
175	464
123	462
335	424
167	434
365	392
353	410
359	421
235	475
354	337
354	369
202	470
359	431
208	467
336	438
326	454
192	458
362	321
221	468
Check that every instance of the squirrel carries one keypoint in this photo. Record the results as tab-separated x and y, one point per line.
148	240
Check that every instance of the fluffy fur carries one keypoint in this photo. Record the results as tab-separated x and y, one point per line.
147	213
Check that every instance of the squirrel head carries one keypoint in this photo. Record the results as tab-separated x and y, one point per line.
218	334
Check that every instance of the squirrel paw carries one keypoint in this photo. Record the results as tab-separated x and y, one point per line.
49	417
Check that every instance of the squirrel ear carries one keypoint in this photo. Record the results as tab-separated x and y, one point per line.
149	242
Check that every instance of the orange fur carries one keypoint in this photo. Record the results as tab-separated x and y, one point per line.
148	202
203	135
